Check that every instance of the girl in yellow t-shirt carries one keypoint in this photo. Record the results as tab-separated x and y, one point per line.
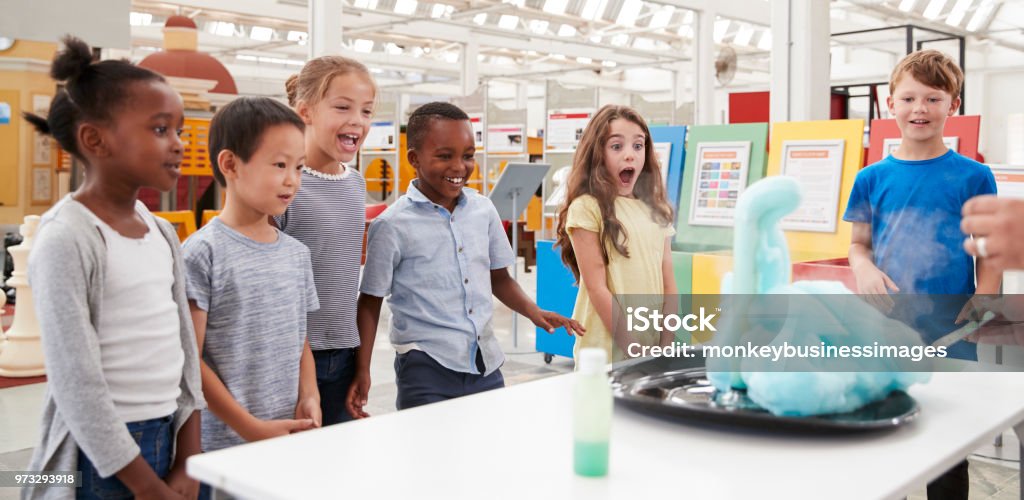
614	231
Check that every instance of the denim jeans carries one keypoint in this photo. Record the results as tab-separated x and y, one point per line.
156	442
335	369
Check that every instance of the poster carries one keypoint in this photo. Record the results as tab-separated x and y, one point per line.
42	185
5	113
890	145
509	138
381	137
719	179
42	148
565	129
476	120
818	167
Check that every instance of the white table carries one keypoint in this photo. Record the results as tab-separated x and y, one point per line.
516	443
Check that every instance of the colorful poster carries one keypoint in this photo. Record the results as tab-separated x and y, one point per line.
476	120
719	179
5	113
565	129
818	167
508	138
889	145
381	137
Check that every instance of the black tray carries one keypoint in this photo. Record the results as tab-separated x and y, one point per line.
678	388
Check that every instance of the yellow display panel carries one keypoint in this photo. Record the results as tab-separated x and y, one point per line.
184	222
822	245
196	158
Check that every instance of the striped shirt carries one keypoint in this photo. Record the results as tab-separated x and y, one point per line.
329	215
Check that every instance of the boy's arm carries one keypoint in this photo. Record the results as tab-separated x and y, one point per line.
367	319
223	404
871	281
188	444
308	406
509	293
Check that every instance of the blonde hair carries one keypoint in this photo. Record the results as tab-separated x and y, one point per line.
932	68
310	85
590	176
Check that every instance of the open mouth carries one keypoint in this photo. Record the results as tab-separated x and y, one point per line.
457	181
349	142
919	122
284	197
176	167
626	175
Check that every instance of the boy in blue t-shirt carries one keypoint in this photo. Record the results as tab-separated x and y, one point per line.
905	211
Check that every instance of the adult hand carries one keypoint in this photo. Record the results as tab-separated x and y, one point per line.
1000	221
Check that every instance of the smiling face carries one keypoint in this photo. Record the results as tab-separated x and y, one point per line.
624	154
340	121
146	149
267	183
444	160
920	110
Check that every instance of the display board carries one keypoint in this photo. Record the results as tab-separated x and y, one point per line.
889	146
965	128
506	138
565	127
818	168
819	243
698	237
673	141
383	136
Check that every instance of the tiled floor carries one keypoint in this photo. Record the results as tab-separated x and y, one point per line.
19	407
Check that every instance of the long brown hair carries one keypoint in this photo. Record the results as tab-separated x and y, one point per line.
590	176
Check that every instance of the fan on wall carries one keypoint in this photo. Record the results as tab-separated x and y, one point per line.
725	65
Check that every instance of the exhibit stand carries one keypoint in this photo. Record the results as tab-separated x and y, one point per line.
721	161
379	157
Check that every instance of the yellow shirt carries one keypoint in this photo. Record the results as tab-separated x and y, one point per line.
638	274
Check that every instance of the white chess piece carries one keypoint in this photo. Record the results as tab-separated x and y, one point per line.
21	353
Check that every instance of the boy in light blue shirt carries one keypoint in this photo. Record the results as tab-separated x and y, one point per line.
439	253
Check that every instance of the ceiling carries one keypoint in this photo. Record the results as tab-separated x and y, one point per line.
417	45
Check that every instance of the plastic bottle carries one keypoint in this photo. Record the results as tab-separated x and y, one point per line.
592	414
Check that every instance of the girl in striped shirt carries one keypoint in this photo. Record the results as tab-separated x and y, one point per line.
335	97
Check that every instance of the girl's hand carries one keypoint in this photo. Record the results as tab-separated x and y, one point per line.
549	321
358	394
185	486
309	409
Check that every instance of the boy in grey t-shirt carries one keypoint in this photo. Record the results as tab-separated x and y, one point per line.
251	286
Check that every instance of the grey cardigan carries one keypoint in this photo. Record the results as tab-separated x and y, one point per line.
66	271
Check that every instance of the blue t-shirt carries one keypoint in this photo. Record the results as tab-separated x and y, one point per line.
914	211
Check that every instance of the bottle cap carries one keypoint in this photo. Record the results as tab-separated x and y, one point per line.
592	360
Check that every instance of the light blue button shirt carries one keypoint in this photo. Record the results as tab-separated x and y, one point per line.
435	268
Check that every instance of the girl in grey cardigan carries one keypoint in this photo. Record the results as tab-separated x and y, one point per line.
123	394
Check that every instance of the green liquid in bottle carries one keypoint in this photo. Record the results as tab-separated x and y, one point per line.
591	458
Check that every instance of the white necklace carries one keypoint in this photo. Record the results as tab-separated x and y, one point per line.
323	175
